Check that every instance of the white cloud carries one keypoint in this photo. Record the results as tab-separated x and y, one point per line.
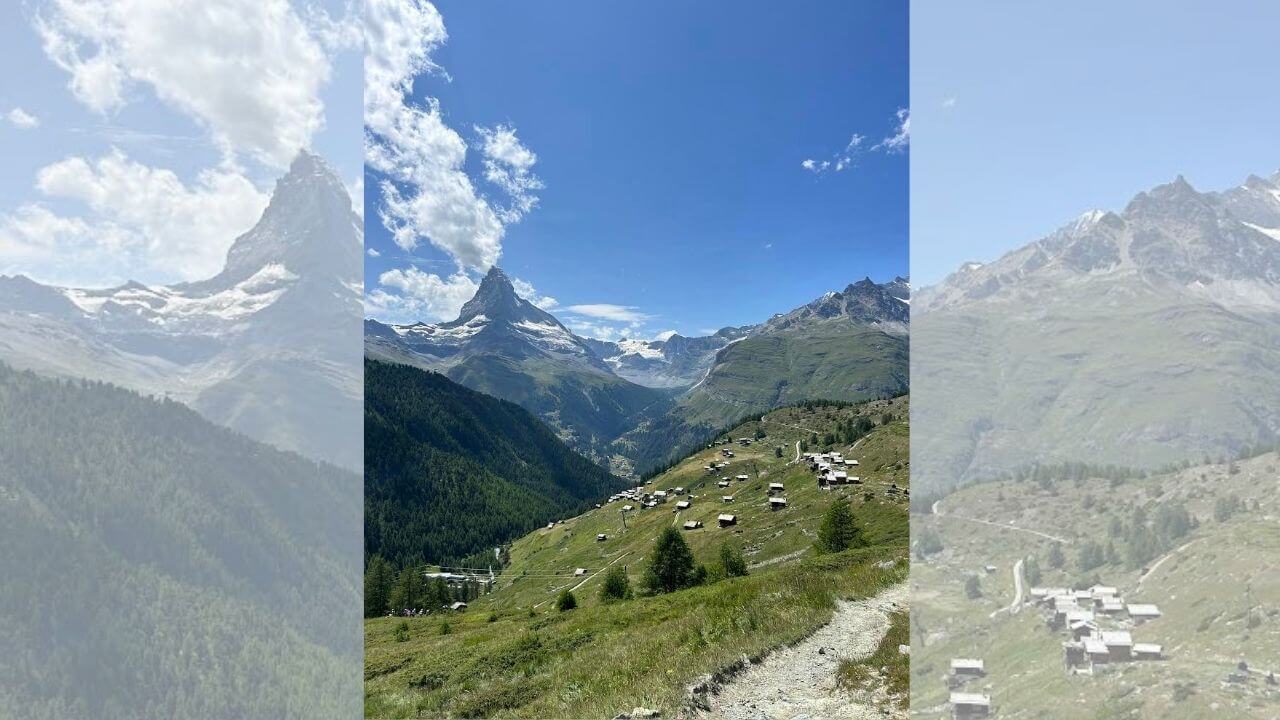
355	189
526	290
815	166
427	193
419	296
507	164
250	71
846	158
665	335
23	119
598	331
373	253
948	103
606	311
898	141
145	222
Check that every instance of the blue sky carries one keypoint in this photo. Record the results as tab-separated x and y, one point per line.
669	139
153	181
1027	114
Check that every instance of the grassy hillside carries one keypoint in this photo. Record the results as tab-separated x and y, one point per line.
511	654
826	360
1217	587
157	565
450	471
1138	376
588	409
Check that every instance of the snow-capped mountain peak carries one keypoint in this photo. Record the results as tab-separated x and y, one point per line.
496	320
256	347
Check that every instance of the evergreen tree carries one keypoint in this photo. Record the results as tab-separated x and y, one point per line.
839	529
732	561
1031	569
566	601
616	585
1055	556
972	588
437	594
671	564
777	452
377	586
930	543
1090	557
408	590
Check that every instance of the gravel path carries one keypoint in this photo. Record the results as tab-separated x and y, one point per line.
798	683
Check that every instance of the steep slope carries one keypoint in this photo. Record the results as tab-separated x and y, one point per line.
512	654
450	472
269	346
848	346
504	346
1139	338
175	545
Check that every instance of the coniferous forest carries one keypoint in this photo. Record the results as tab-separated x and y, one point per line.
173	540
451	473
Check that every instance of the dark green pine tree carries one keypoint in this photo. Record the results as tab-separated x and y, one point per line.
839	529
671	565
377	586
408	592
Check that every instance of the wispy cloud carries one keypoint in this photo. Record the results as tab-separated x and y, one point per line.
527	291
901	137
22	119
607	311
847	157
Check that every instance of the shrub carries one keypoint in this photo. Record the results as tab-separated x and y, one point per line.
402	632
566	601
732	562
616	586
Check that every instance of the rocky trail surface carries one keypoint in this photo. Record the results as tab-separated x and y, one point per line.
799	682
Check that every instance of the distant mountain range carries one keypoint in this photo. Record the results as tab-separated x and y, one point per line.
634	404
676	362
268	346
1142	337
451	472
